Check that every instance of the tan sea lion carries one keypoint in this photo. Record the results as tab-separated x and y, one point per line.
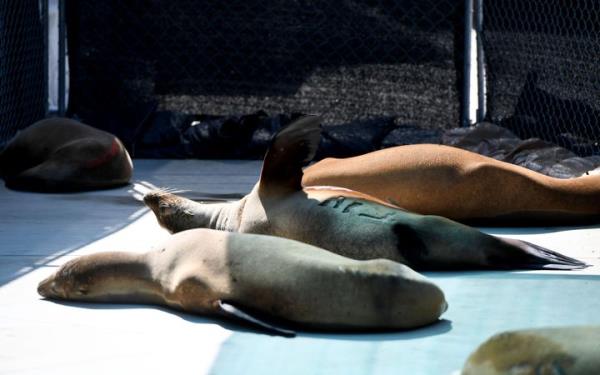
346	222
62	155
218	273
461	185
564	351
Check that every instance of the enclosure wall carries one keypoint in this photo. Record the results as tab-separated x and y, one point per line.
347	60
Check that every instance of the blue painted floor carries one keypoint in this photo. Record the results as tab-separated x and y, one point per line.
39	232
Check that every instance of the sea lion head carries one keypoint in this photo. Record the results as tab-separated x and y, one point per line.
70	281
97	277
170	210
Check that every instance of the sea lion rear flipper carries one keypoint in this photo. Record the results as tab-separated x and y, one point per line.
291	149
532	256
230	310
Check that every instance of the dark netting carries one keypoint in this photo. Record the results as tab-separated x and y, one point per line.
22	66
542	63
351	60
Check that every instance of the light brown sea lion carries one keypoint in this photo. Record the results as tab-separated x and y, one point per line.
346	222
62	155
214	272
461	185
560	351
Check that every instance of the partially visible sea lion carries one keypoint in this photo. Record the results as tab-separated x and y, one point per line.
564	351
346	222
461	185
218	273
62	155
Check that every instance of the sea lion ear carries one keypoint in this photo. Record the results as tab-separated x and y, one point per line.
291	149
230	310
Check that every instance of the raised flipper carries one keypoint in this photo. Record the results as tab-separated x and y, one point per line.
291	149
526	255
230	310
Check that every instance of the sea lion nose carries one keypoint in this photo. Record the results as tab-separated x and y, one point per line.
151	200
45	287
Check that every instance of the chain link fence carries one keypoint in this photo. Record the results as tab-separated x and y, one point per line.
23	87
543	70
349	60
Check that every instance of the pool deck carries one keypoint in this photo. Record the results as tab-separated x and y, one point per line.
38	232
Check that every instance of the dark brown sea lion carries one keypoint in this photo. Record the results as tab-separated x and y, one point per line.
346	222
63	155
461	185
218	273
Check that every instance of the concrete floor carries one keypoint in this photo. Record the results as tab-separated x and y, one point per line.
38	232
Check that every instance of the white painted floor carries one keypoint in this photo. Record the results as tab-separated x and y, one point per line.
38	232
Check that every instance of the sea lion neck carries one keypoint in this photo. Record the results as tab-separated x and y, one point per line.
226	216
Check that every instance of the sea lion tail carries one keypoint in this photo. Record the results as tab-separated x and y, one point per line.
532	256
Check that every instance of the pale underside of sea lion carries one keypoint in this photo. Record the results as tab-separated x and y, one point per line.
62	155
218	273
346	222
461	185
564	351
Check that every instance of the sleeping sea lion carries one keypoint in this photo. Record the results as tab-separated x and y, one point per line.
346	222
218	273
63	155
461	185
564	351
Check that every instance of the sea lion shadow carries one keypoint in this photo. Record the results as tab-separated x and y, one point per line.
228	324
440	327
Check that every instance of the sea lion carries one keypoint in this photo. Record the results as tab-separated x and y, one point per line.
218	273
565	351
461	185
63	155
346	222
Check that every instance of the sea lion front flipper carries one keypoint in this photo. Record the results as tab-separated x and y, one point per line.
230	310
532	256
291	149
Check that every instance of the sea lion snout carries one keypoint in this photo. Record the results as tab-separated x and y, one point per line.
47	288
151	199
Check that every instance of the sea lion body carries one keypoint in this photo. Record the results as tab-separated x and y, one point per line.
61	155
197	269
565	351
461	185
346	222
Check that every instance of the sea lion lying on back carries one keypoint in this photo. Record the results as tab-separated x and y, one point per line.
560	351
461	185
63	155
218	273
346	222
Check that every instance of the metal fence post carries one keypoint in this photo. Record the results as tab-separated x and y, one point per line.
44	20
465	115
61	58
481	86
